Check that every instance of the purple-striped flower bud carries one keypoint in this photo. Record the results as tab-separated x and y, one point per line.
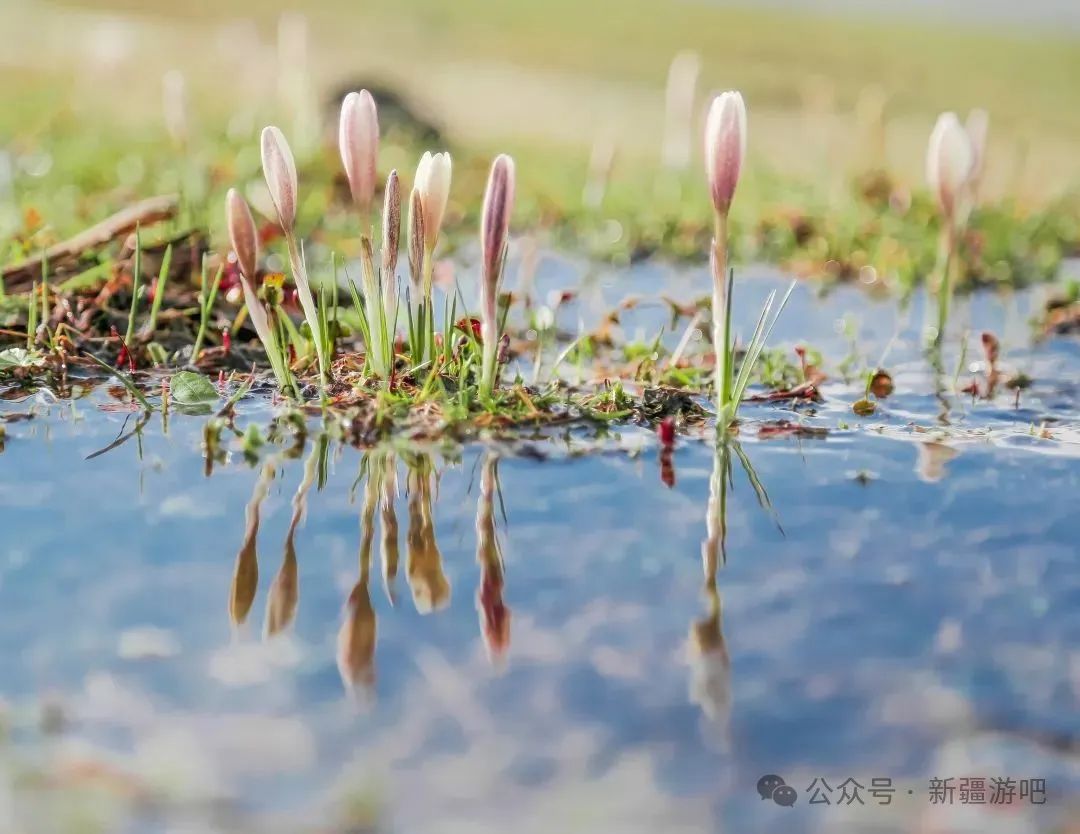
725	147
494	226
495	220
242	234
358	139
416	237
391	226
279	169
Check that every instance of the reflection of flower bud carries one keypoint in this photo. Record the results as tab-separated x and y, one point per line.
494	613
246	572
930	466
279	169
430	587
284	594
725	147
242	233
388	543
710	679
356	642
433	184
424	567
245	580
358	139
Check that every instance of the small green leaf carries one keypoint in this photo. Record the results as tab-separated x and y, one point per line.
17	357
190	388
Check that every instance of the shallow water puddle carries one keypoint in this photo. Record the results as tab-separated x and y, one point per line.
543	634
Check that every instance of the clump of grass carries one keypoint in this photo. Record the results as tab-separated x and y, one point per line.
434	360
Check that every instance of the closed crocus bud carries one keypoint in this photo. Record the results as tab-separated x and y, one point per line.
242	234
977	127
358	138
416	237
279	168
495	221
725	147
433	183
494	226
949	164
391	226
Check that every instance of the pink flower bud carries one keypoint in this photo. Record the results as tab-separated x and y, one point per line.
433	183
242	233
358	139
494	226
950	161
725	147
279	169
495	220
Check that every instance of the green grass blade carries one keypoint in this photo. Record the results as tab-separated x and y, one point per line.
125	380
159	291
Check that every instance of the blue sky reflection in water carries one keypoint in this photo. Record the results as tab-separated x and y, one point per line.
907	608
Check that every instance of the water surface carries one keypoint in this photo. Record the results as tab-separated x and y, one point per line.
563	642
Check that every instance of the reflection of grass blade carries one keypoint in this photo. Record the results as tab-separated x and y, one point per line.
239	394
126	380
755	483
121	438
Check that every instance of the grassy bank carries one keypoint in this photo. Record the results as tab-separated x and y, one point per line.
840	112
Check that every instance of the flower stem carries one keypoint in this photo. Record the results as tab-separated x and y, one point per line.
720	318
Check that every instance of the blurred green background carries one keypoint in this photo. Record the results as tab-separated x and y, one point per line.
832	88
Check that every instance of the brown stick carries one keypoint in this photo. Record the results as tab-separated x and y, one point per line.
143	213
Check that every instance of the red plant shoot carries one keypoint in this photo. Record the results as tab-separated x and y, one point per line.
469	325
125	356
